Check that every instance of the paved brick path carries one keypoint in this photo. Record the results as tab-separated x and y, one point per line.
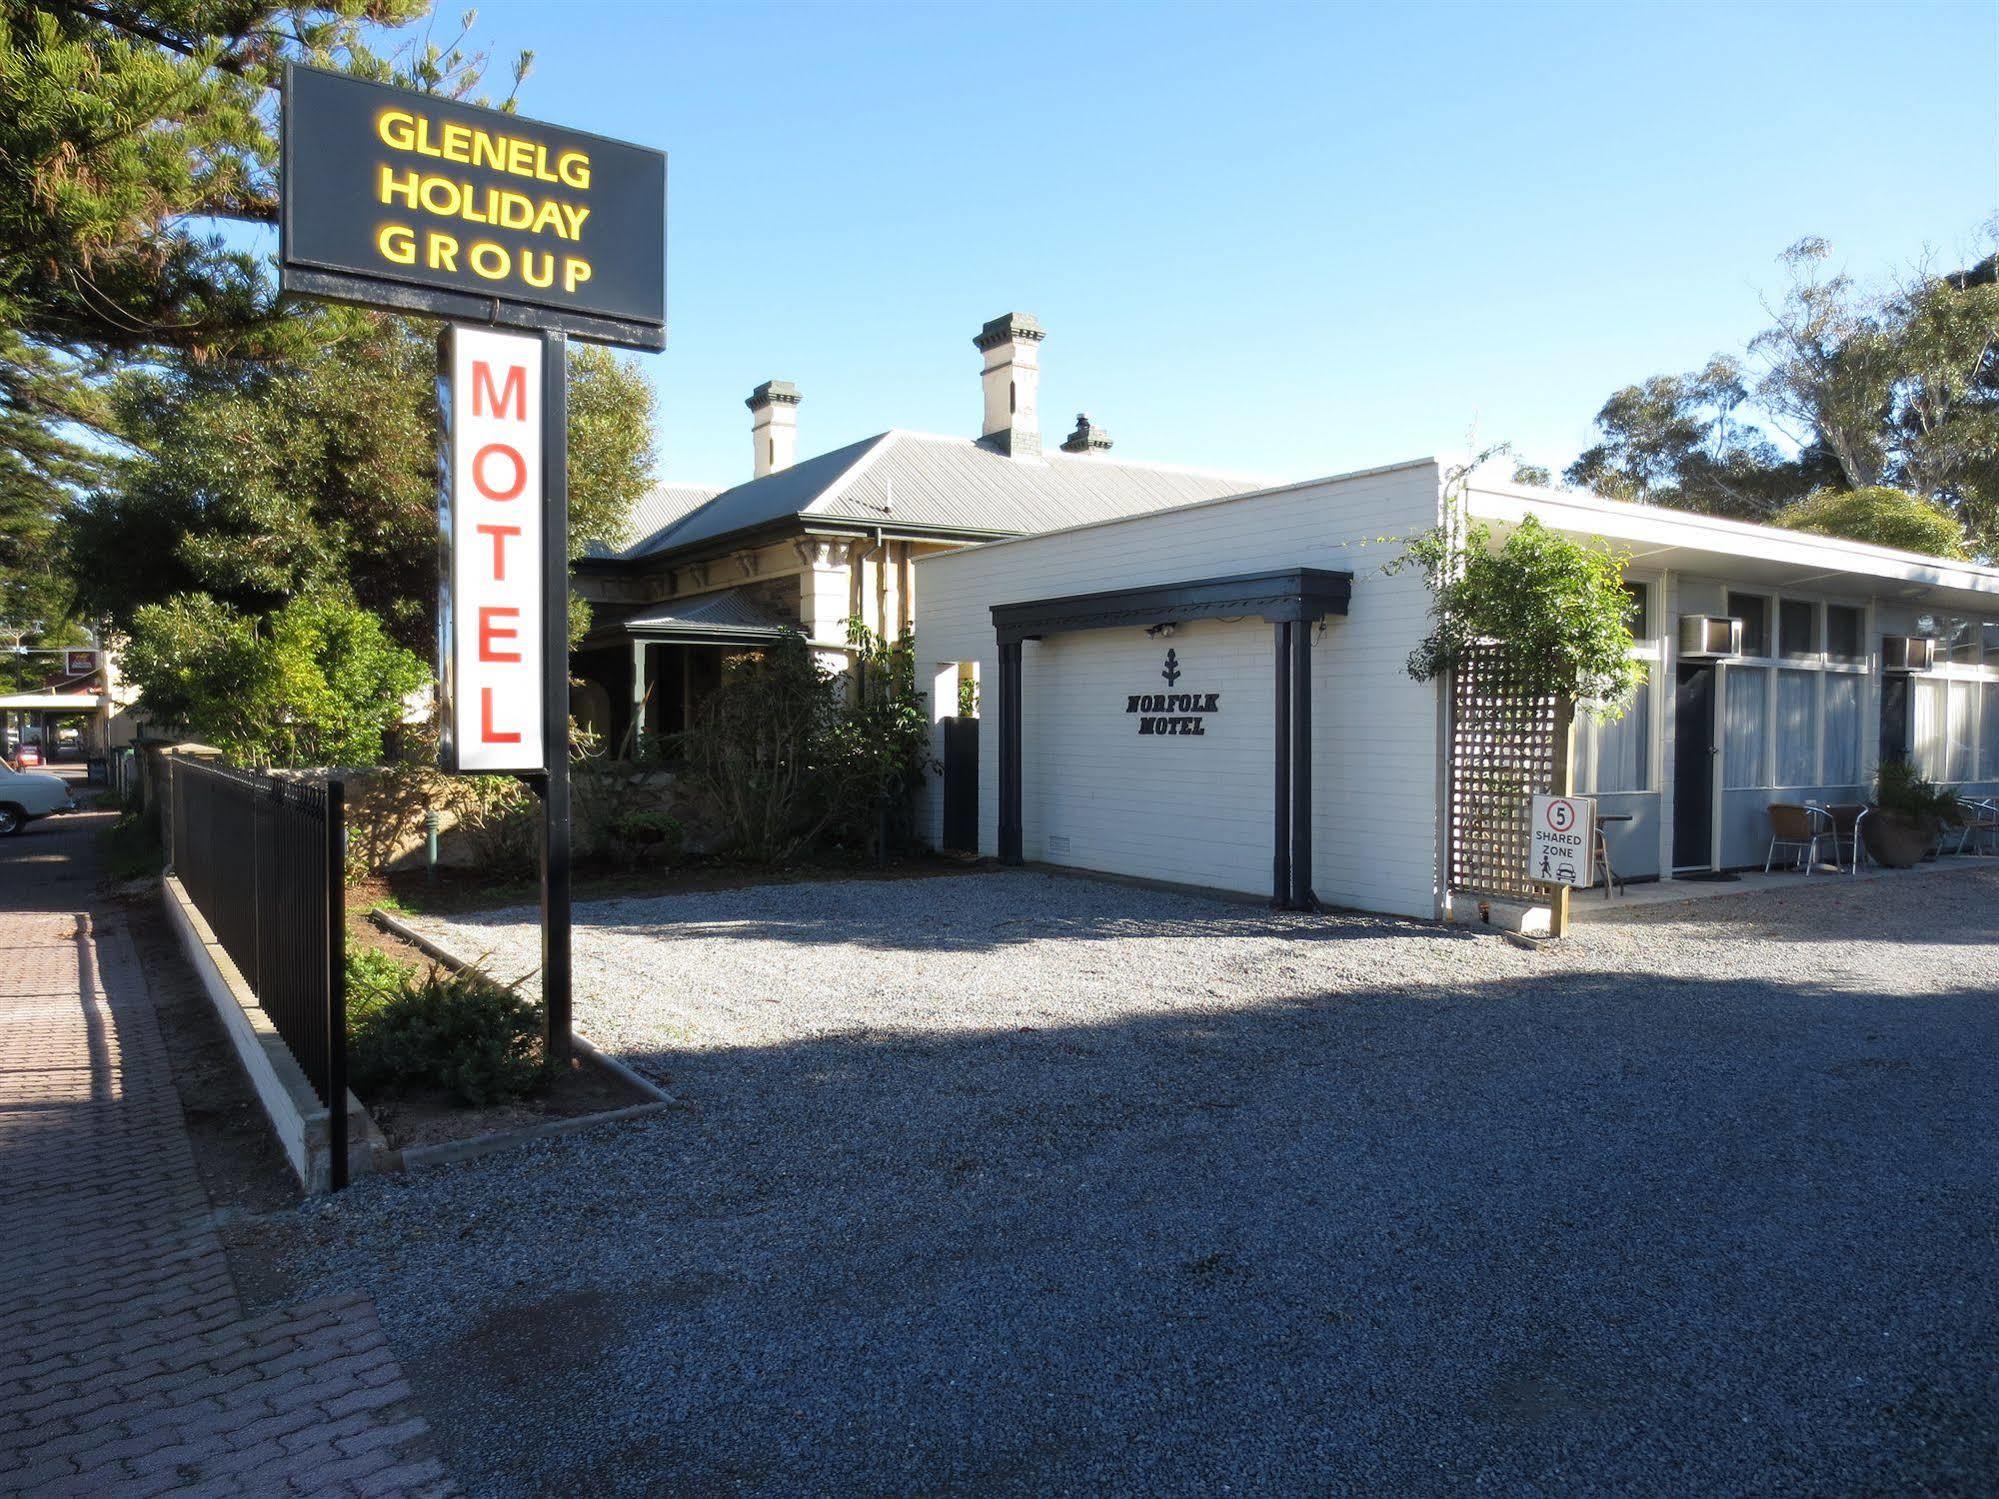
127	1363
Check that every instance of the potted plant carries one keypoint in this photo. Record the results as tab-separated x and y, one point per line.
1909	812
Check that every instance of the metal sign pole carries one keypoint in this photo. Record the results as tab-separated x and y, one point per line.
555	831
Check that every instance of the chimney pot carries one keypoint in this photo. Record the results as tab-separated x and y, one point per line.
774	425
1088	437
1011	380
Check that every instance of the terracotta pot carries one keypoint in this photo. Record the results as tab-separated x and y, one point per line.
1899	840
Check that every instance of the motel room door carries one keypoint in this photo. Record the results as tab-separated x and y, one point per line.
1895	734
1694	753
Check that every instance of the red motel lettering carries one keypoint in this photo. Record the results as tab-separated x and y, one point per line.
489	401
500	534
496	646
490	631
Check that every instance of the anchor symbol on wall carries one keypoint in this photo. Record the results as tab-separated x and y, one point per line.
1172	672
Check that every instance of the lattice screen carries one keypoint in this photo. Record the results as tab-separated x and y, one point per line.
1505	748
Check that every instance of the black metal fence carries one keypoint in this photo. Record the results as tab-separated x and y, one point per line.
263	860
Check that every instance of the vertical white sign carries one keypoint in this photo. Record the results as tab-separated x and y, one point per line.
490	609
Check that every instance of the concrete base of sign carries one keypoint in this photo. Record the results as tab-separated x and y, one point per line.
1514	918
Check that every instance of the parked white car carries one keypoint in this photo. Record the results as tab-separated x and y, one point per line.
28	794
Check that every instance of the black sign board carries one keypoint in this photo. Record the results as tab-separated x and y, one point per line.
402	199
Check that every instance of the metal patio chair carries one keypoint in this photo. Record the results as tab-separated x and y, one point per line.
1796	826
1844	819
1981	825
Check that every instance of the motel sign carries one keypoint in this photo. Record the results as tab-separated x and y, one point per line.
401	200
490	609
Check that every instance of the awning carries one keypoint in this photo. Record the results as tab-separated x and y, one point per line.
731	617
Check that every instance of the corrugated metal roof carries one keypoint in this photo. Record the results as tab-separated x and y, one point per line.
949	484
728	617
655	510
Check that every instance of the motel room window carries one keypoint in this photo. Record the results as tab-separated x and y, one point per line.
1929	747
1637	614
1842	729
1988	732
1798	628
1754	612
1961	638
1842	632
1957	743
1797	727
1990	631
1745	725
1624	747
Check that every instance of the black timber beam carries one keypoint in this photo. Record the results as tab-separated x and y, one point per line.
1298	594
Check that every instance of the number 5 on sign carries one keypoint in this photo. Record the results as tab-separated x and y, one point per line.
489	608
1558	848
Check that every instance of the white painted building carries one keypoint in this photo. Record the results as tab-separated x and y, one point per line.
1171	767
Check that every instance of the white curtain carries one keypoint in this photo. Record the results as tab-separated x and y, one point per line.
1842	729
1988	734
1744	722
1931	709
1624	747
1957	758
1797	728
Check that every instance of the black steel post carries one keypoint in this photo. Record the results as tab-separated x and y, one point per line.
555	844
1280	836
1301	765
336	979
1011	820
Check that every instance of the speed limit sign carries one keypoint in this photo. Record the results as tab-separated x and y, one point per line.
1558	850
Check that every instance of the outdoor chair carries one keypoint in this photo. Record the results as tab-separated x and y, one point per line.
1600	852
1801	828
1981	825
1845	835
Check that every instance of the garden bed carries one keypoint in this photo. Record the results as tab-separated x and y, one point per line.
416	1120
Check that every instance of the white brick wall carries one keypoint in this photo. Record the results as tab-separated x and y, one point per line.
1199	810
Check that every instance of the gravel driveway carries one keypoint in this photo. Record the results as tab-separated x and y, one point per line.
1011	1184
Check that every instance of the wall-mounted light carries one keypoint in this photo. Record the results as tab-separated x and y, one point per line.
1161	632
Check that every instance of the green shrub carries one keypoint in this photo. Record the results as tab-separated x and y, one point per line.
500	820
1900	787
476	1039
1880	515
372	977
647	832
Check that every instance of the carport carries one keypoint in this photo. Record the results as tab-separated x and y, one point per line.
1290	600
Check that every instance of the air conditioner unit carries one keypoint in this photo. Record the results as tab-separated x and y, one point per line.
1710	635
1907	653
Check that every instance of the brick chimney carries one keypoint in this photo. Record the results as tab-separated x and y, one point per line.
774	425
1088	437
1012	380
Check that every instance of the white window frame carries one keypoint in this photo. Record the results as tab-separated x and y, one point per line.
1819	662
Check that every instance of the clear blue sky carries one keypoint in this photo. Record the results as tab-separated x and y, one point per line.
1269	240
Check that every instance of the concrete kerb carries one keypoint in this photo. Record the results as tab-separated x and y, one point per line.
301	1121
465	1150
